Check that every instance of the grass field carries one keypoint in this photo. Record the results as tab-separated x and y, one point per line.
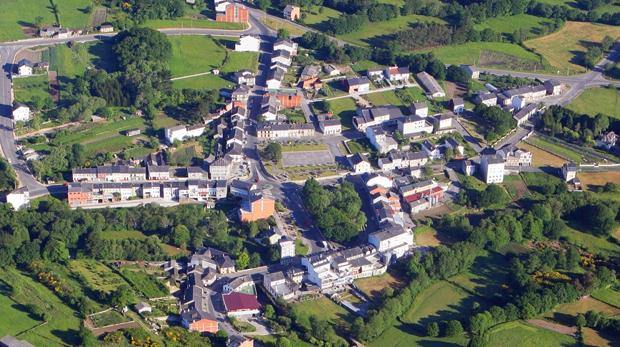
323	308
73	61
599	100
582	306
509	24
608	296
364	37
108	318
277	24
555	149
25	89
202	82
541	157
145	283
564	49
426	236
519	334
491	54
590	242
387	97
17	14
360	146
96	275
59	331
315	16
591	180
192	23
372	286
345	110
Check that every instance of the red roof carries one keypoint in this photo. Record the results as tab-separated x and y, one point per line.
418	196
240	302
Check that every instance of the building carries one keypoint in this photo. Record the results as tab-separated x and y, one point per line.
158	173
607	140
284	130
291	12
287	45
239	341
211	258
248	43
468	167
25	67
524	114
380	139
10	341
433	151
241	93
414	125
515	156
313	83
242	189
21	112
310	71
220	169
331	70
430	85
492	167
275	77
457	105
330	126
359	163
397	74
143	307
233	13
256	207
367	117
289	99
280	286
471	71
526	94
357	85
419	109
375	74
281	56
242	284
424	199
401	160
132	132
246	77
18	198
109	173
287	247
197	311
392	239
569	171
106	28
553	87
183	132
240	304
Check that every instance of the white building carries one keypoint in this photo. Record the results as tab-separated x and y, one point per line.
287	45
524	114
414	125
397	74
247	43
489	99
393	240
287	247
18	198
492	166
359	163
419	109
182	132
380	140
569	171
246	77
25	67
21	112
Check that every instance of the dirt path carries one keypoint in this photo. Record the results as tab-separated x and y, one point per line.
48	130
558	328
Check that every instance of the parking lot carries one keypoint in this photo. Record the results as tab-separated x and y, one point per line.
290	159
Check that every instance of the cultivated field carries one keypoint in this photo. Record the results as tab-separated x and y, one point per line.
581	306
97	276
599	100
554	149
564	49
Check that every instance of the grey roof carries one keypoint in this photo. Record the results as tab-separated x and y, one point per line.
388	232
10	341
276	73
281	53
25	62
486	96
282	126
357	158
285	42
356	81
429	83
525	112
419	105
552	83
457	101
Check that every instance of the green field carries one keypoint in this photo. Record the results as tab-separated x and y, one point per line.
145	283
509	24
608	296
195	54
555	149
18	14
598	100
26	88
520	334
360	146
192	23
72	61
315	16
61	330
345	110
491	54
202	82
323	308
108	318
364	37
387	97
96	276
590	242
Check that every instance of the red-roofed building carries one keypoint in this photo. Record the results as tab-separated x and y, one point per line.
425	199
240	304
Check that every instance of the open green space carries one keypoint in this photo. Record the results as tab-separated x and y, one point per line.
202	82
317	14
108	318
609	296
192	23
344	109
96	276
18	16
592	243
517	333
145	283
360	146
509	24
365	36
598	100
387	97
27	88
323	308
556	149
72	61
19	290
491	54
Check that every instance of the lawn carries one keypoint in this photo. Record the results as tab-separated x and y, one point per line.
61	330
202	82
365	36
554	149
590	242
317	14
599	100
17	14
372	286
608	296
387	97
491	54
27	88
344	109
145	283
95	275
324	308
541	157
305	147
426	236
108	318
509	24
192	23
276	24
361	145
163	121
564	49
240	60
72	61
519	334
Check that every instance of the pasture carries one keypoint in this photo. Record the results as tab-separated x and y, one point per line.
317	14
372	286
565	48
532	25
202	82
71	62
518	334
590	242
555	149
598	100
609	296
192	23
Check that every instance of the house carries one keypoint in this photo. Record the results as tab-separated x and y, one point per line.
291	12
220	169
357	85
553	87
414	125
241	94
492	167
106	28
471	71
281	56
569	171
21	112
183	132
433	151
143	307
195	172
488	99
158	173
242	189
234	13
359	163
211	258
331	70
287	247
256	207
18	198
375	74
246	77
526	94
25	67
392	239
248	43
380	139
367	117
279	286
313	83
515	157
10	341
330	126
240	304
457	105
443	123
425	199
239	341
430	85
275	77
287	45
607	140
242	284
455	146
419	109
397	74
220	6
524	114
197	312
289	98
468	167
310	71
400	160
284	130
132	132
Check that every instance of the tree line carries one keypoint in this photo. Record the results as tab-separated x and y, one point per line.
566	124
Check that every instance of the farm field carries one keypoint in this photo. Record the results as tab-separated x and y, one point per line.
365	36
18	13
192	23
599	100
345	110
372	286
491	54
590	242
59	331
541	158
564	48
276	24
27	88
96	276
518	334
509	24
591	180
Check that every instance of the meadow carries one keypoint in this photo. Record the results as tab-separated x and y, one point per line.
71	62
532	25
598	100
148	285
372	286
27	88
554	149
317	14
609	296
202	82
192	23
518	333
542	158
95	275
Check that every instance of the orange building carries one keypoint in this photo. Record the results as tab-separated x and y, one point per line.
256	207
289	100
204	326
234	14
312	83
291	12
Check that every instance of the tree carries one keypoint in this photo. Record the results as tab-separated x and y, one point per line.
38	22
243	260
283	34
8	178
432	329
273	151
122	296
607	43
581	320
454	328
180	236
270	312
55	251
141	45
